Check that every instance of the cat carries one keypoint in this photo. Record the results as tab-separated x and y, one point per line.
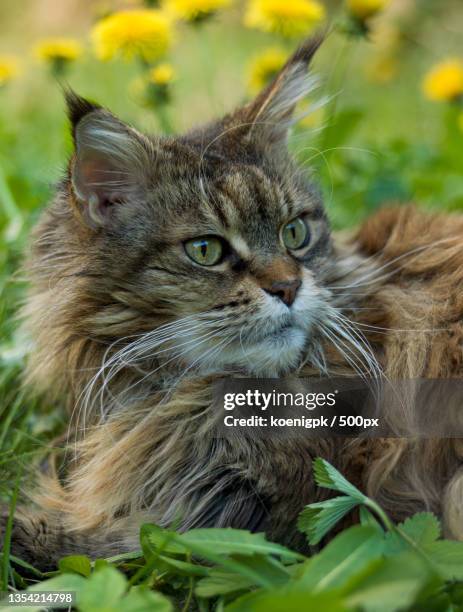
166	263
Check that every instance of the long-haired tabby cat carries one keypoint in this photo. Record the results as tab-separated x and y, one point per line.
165	263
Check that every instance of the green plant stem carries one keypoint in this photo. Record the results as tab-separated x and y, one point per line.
159	109
186	605
383	517
164	120
144	571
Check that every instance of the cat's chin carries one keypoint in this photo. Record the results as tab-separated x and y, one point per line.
272	356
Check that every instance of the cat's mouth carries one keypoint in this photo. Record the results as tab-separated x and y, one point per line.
268	332
271	352
267	348
283	328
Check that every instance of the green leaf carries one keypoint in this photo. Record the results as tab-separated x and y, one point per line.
222	582
447	557
128	556
226	547
423	528
218	546
100	564
229	541
391	584
141	599
104	589
348	554
318	518
267	566
64	582
289	599
75	564
156	540
183	568
328	477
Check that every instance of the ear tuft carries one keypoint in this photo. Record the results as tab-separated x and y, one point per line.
78	107
306	51
270	113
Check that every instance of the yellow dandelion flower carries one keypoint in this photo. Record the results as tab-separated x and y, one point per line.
9	69
265	67
153	89
444	82
364	9
286	17
58	49
146	34
194	10
163	74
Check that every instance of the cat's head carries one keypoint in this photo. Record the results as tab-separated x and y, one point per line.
214	241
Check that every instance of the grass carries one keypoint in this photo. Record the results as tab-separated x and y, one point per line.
378	142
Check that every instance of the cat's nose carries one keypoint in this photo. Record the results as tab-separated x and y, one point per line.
286	291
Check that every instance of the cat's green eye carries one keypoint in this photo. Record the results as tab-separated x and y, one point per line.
205	251
295	234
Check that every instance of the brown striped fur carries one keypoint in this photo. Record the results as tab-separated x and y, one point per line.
103	268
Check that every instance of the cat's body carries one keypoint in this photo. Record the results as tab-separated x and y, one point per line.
133	322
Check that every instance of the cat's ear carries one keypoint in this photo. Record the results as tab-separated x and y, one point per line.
269	116
111	164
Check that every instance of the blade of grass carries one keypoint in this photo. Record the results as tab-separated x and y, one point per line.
10	208
11	414
9	529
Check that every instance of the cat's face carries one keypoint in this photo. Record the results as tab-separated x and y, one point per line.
215	239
